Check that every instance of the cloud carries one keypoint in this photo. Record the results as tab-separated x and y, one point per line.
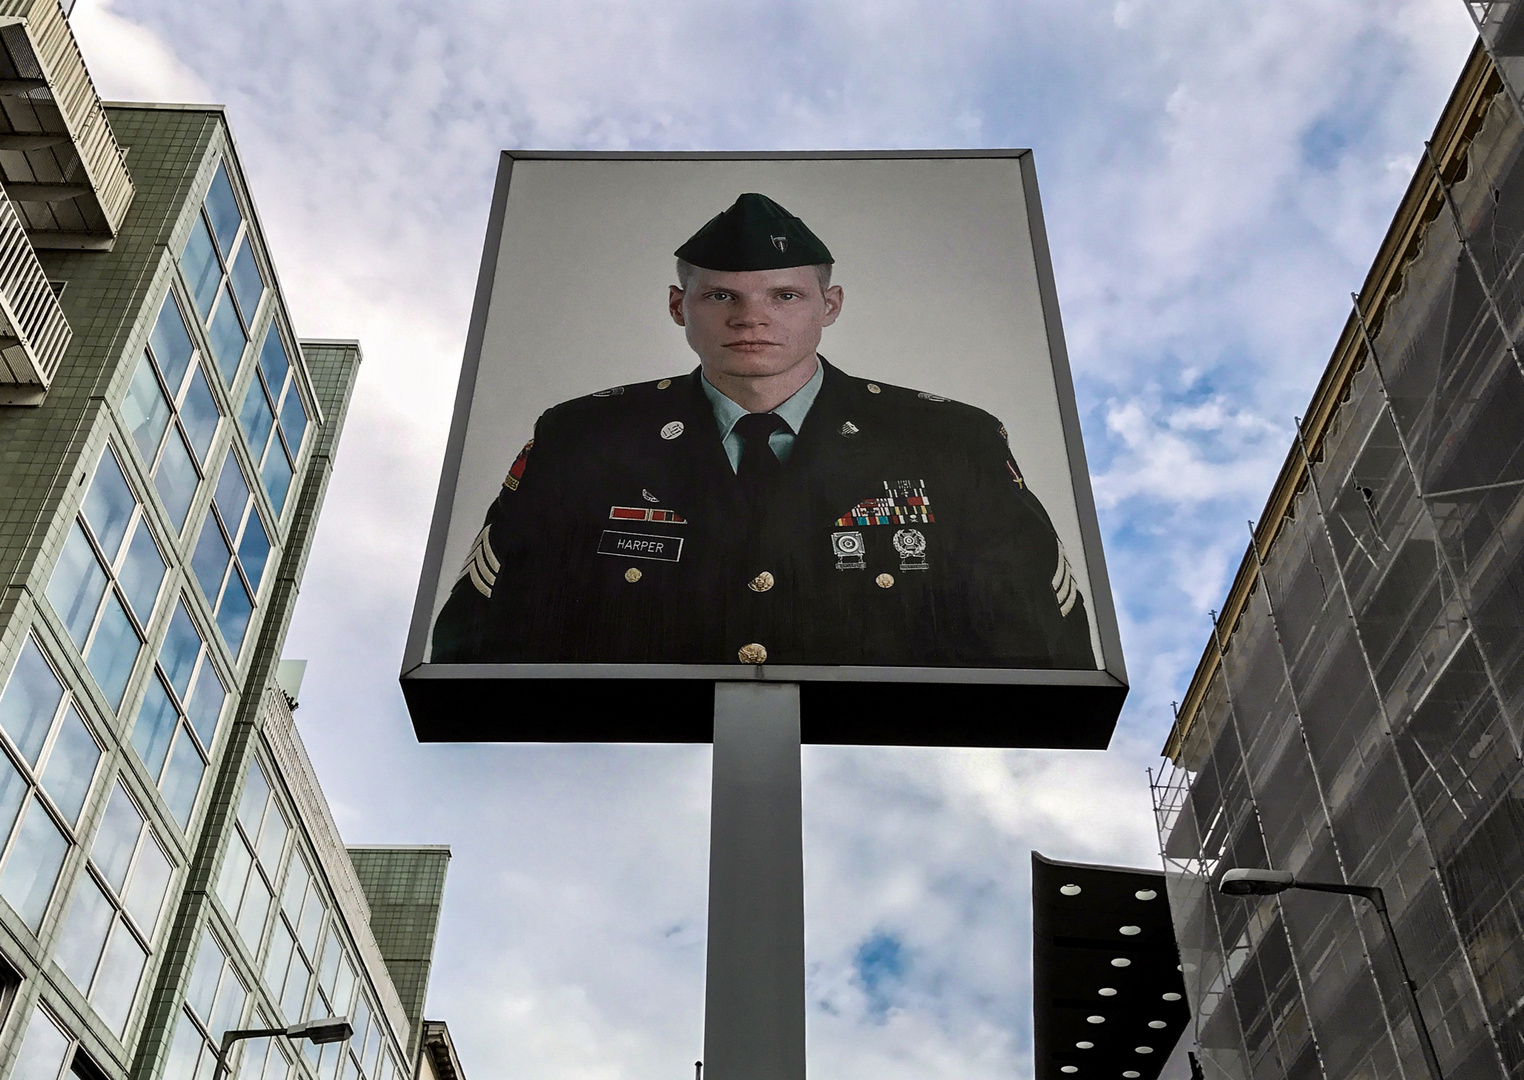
129	62
1214	183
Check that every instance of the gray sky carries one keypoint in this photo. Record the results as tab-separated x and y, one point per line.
1215	176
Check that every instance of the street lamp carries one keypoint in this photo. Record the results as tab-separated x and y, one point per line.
329	1029
1249	882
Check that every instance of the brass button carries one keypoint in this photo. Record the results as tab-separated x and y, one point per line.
873	388
761	583
753	654
664	384
632	575
884	580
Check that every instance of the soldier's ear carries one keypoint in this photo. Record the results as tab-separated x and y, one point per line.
675	304
833	299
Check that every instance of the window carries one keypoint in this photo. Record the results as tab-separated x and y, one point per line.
171	413
335	992
292	960
109	931
293	944
366	1045
45	776
45	1049
223	274
365	1055
246	886
232	554
214	1003
106	581
274	446
176	725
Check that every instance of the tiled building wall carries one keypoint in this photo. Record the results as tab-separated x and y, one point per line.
405	889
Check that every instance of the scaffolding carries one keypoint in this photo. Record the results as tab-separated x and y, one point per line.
1359	713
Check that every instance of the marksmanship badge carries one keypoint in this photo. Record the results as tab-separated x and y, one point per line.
848	547
910	545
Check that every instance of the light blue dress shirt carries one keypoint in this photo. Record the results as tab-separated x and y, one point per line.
792	412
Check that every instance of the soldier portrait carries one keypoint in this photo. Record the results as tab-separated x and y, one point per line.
768	498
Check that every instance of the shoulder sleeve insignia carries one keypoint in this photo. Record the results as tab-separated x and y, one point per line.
1065	588
1016	477
516	473
481	564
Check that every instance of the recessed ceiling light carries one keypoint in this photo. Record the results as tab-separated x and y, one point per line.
1107	991
1131	931
1096	1019
1171	996
1069	1069
1121	961
1083	1045
1145	894
1069	890
1156	1024
1144	1049
1131	1074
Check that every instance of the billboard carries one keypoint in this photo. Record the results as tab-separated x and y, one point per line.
834	444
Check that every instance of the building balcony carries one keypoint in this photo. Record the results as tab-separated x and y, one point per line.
33	330
59	160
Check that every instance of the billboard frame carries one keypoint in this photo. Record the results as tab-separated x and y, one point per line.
867	705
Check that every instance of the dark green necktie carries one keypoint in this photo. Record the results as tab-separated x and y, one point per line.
759	465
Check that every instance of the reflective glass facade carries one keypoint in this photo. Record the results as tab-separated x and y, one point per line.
1358	715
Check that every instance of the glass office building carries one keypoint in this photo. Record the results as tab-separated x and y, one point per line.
168	865
1358	712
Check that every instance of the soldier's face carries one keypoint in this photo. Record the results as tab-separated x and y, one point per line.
754	323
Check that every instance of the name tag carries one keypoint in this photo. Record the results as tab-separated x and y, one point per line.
640	546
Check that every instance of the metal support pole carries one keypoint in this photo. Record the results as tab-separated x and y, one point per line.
1508	89
1378	901
754	989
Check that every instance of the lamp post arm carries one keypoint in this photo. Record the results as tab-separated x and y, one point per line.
235	1035
1378	901
1365	892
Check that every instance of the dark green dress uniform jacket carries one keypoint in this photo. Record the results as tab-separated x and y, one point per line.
900	532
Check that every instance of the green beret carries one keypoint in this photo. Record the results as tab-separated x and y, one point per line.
754	234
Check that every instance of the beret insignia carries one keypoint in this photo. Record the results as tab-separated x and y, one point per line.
755	233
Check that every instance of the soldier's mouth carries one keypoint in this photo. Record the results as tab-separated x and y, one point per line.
752	346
